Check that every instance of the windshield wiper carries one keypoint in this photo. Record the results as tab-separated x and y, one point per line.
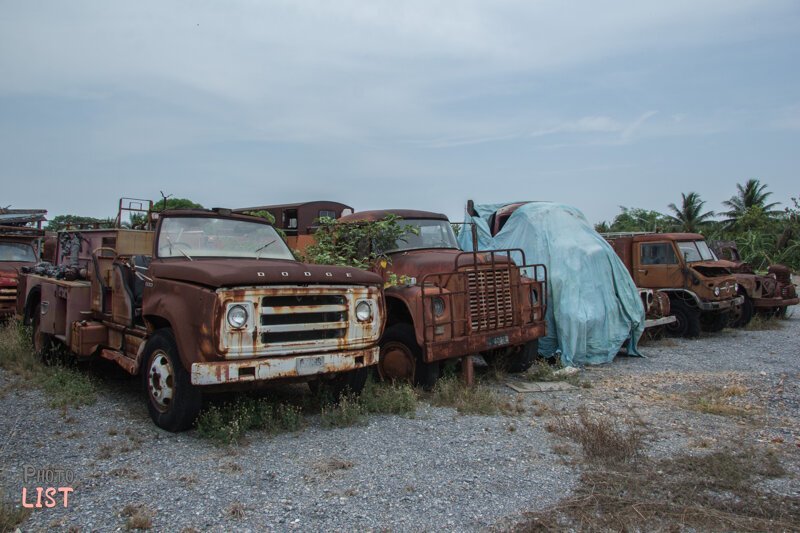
260	249
171	244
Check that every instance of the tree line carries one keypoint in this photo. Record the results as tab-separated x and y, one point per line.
764	233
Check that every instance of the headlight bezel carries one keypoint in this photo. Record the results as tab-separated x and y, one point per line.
364	311
438	306
236	307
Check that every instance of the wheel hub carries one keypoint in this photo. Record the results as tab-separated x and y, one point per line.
161	381
396	362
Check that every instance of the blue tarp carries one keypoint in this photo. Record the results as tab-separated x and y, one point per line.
593	305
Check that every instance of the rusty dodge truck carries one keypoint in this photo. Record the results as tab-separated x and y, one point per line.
702	292
768	295
450	304
206	301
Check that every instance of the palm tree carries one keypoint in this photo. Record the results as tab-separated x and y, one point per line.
752	194
689	217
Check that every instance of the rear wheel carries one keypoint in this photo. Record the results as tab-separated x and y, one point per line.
516	359
401	358
172	401
687	320
45	346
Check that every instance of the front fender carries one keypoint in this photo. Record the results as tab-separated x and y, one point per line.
190	311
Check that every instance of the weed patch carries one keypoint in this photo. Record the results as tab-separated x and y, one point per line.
716	491
348	411
717	401
64	386
764	323
137	517
389	398
600	437
11	515
474	400
228	423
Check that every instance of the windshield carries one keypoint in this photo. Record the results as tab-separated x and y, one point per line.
15	251
429	234
695	251
192	237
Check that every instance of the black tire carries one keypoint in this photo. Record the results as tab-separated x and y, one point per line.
400	343
333	387
714	322
687	320
744	314
516	359
172	401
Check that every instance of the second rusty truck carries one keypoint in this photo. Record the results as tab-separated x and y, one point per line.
450	304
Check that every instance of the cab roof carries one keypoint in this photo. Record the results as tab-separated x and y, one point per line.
380	214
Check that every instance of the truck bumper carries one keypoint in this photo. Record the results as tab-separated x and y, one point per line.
774	302
721	306
481	342
222	372
653	322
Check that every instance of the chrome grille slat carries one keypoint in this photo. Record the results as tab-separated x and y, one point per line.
303	318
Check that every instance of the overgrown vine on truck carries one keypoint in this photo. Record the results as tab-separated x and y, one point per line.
361	244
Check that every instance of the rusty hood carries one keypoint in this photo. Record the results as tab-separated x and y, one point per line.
417	263
252	272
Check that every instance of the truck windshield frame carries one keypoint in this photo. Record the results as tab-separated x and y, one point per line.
430	234
695	251
17	252
191	237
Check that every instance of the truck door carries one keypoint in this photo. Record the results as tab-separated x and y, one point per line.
656	266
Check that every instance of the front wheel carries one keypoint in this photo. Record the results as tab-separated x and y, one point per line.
401	358
172	401
687	320
743	314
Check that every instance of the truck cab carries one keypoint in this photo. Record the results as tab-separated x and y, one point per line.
443	303
20	241
702	292
206	301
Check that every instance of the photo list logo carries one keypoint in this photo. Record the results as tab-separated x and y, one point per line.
52	487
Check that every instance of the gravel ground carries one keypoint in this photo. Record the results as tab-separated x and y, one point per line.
439	470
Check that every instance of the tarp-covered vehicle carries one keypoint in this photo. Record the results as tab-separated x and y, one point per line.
594	307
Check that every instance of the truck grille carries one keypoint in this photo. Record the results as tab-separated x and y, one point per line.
303	318
8	295
490	303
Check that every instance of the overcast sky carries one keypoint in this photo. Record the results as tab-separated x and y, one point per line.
410	104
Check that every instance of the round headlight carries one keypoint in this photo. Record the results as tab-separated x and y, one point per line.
716	291
438	306
237	316
363	311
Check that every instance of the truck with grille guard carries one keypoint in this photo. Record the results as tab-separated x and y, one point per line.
449	304
703	292
206	301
